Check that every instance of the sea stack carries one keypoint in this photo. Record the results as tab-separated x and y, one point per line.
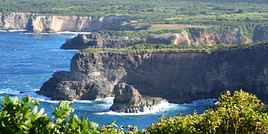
129	100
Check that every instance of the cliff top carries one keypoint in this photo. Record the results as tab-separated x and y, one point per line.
154	48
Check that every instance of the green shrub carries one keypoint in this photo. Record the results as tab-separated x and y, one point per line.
195	12
240	113
17	117
150	48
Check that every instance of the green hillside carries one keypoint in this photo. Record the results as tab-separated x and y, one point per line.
201	12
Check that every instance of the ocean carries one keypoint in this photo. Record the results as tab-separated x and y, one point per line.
28	60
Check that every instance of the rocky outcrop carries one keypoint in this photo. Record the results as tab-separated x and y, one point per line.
69	86
129	100
82	41
40	23
177	77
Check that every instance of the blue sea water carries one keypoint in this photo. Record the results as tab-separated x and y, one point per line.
28	60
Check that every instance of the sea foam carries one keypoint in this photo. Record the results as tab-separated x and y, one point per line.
162	107
9	91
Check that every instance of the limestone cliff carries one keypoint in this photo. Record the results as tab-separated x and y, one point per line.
40	23
195	36
14	21
178	76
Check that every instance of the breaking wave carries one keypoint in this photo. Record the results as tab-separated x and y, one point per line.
162	107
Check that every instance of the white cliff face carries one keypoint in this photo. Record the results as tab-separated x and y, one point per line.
1	20
234	36
14	20
182	38
40	23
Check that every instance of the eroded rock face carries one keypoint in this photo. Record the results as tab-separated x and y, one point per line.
65	86
182	39
14	21
178	77
77	23
92	76
129	100
88	79
200	37
39	23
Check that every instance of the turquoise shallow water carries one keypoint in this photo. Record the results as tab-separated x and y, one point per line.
27	60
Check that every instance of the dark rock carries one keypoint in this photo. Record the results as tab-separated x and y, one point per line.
129	100
178	77
83	41
260	33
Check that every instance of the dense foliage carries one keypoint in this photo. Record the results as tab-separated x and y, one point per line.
240	112
200	12
150	48
24	116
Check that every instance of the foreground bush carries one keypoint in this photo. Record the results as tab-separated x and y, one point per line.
17	117
238	113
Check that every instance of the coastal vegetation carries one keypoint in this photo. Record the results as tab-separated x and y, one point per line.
239	112
202	12
149	48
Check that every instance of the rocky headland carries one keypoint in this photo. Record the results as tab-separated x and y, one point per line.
38	23
189	37
179	77
82	41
